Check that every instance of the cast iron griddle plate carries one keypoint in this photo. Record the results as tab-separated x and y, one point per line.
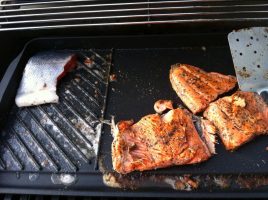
143	78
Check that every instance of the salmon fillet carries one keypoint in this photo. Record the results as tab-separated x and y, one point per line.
157	141
238	118
40	76
197	88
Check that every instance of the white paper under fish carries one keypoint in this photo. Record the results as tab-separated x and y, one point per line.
40	76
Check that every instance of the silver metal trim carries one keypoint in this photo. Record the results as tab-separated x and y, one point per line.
128	16
134	23
133	3
60	7
78	13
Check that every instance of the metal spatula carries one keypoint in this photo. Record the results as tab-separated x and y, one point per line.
249	48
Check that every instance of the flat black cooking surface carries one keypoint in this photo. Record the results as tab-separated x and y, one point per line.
143	78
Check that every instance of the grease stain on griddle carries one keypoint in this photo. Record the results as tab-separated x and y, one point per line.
33	176
185	182
252	181
110	180
89	61
113	78
203	48
182	182
134	181
222	181
77	79
243	73
64	179
265	75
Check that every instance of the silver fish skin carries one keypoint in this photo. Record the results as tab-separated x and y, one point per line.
40	76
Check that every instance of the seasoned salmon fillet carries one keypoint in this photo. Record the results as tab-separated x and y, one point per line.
238	118
157	141
197	88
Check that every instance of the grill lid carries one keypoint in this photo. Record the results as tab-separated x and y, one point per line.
27	14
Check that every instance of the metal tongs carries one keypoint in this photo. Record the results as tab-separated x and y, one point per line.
249	48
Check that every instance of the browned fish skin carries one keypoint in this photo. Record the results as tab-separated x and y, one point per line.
157	141
239	118
197	88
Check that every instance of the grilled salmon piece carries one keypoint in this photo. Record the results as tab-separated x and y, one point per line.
157	141
197	88
238	118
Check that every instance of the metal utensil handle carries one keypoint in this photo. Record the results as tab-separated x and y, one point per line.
264	94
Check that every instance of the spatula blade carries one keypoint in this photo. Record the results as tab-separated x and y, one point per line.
249	49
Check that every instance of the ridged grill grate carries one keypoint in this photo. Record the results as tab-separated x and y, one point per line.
61	137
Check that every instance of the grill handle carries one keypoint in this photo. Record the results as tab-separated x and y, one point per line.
7	85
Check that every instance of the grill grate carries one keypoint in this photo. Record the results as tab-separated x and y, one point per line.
23	15
61	137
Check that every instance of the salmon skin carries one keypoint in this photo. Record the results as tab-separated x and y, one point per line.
157	141
197	88
40	76
238	118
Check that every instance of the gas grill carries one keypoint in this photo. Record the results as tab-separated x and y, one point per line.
65	148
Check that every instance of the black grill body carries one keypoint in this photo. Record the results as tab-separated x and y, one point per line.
50	149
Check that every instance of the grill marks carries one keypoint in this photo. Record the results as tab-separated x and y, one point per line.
212	79
197	88
239	118
198	84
